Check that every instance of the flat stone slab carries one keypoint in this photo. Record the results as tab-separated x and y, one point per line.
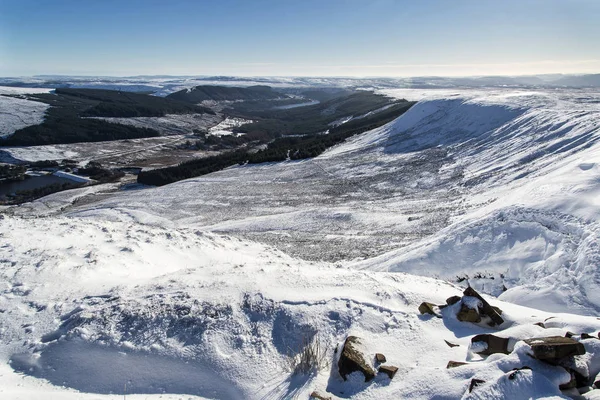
454	364
389	370
494	344
555	347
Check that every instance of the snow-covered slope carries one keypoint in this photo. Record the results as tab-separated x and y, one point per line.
112	308
513	174
529	162
16	113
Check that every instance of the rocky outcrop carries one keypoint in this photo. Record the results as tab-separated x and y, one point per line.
473	308
486	309
352	359
468	314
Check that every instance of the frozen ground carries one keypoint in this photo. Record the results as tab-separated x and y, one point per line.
204	287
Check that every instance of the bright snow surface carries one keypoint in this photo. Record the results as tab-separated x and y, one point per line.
204	287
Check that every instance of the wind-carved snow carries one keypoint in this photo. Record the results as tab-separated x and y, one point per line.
16	113
99	305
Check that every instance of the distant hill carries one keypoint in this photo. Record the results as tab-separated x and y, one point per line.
591	80
198	94
67	120
112	103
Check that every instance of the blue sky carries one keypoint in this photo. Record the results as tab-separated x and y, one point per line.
299	38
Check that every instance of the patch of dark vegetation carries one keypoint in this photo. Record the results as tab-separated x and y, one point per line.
43	164
192	168
300	147
21	187
112	103
253	106
324	95
66	120
55	130
202	93
283	148
24	196
12	173
274	123
97	172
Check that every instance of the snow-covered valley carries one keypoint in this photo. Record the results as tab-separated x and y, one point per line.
209	286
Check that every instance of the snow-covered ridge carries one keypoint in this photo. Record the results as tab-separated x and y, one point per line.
529	161
494	135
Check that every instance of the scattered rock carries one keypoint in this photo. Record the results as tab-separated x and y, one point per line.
428	308
587	389
487	309
317	396
540	324
580	379
380	358
452	300
454	364
352	359
515	371
555	347
474	383
588	336
451	344
571	384
577	380
389	370
494	344
569	334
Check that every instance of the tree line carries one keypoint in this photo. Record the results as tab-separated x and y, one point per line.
280	149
